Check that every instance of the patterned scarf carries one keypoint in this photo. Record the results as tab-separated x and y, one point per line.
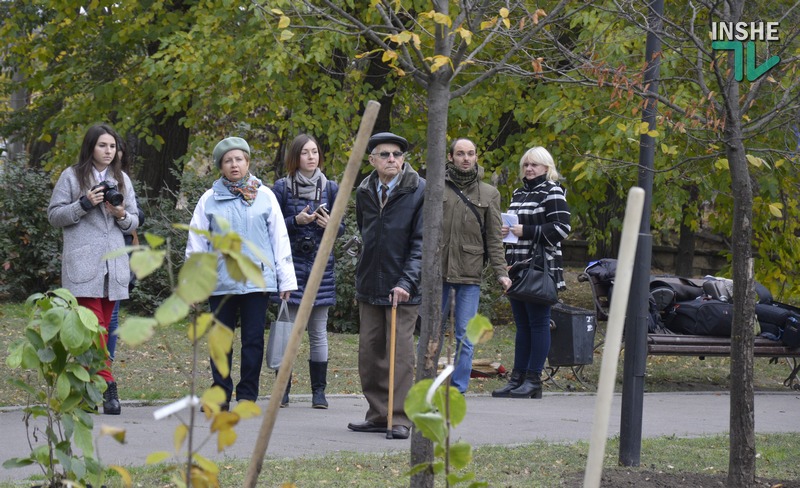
247	188
462	179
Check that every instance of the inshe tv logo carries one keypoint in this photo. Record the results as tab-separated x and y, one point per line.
740	37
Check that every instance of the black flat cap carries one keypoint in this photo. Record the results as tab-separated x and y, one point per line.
384	138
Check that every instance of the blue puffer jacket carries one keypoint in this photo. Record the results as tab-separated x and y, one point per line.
311	234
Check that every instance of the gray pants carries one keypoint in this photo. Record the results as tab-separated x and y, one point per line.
317	332
373	359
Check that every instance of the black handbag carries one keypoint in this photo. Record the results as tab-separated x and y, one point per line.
531	282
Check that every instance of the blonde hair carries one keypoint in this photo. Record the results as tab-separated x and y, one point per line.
539	155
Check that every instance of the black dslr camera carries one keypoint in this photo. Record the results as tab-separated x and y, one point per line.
306	245
110	193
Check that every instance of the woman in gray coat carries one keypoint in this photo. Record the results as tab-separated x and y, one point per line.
94	202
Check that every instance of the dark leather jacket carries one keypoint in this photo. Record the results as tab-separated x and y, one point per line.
392	239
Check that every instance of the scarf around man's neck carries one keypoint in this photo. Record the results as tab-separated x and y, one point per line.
462	179
247	188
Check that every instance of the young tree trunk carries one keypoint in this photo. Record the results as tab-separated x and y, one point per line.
742	457
431	308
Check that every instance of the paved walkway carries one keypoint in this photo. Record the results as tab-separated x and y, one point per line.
303	431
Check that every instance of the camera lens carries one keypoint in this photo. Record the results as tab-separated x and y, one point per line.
113	197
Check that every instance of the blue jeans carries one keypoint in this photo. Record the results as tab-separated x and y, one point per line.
532	342
112	329
251	309
467	299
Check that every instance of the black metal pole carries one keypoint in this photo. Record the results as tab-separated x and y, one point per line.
630	445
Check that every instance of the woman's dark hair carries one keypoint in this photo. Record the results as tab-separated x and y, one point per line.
292	159
124	159
83	168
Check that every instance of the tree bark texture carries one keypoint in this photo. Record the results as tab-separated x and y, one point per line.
154	166
742	456
431	308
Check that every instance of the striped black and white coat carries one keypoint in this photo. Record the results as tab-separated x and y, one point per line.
541	206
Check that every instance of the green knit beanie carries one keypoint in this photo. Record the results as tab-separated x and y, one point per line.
229	144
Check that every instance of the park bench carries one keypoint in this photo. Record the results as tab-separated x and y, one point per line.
697	345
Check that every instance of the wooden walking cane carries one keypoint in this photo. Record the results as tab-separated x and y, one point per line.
392	342
310	293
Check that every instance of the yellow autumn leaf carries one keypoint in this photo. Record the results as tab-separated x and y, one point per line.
779	163
653	133
755	161
116	433
775	210
286	34
127	481
438	62
442	19
247	409
622	127
225	438
157	457
604	119
465	34
201	325
507	23
722	163
205	464
220	341
504	13
579	165
388	56
488	24
178	438
277	11
643	128
284	22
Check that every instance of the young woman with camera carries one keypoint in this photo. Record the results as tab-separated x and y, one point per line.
94	203
306	197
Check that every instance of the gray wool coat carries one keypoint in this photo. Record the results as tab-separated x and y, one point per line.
88	236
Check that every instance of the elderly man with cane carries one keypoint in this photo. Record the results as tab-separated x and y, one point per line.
389	217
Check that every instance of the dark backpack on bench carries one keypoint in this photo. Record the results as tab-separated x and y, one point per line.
702	317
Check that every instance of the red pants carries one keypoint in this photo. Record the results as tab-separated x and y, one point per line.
102	308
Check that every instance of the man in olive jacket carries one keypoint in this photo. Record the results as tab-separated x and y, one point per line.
470	238
389	217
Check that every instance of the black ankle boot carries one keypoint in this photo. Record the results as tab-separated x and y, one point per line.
285	399
111	404
318	370
530	388
516	379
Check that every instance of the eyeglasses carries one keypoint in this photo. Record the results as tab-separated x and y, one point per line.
386	154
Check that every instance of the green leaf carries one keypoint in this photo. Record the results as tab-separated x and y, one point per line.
479	329
79	372
88	319
432	425
143	263
197	278
17	463
415	398
83	438
65	295
29	359
153	240
62	387
172	310
458	404
74	335
460	455
136	330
